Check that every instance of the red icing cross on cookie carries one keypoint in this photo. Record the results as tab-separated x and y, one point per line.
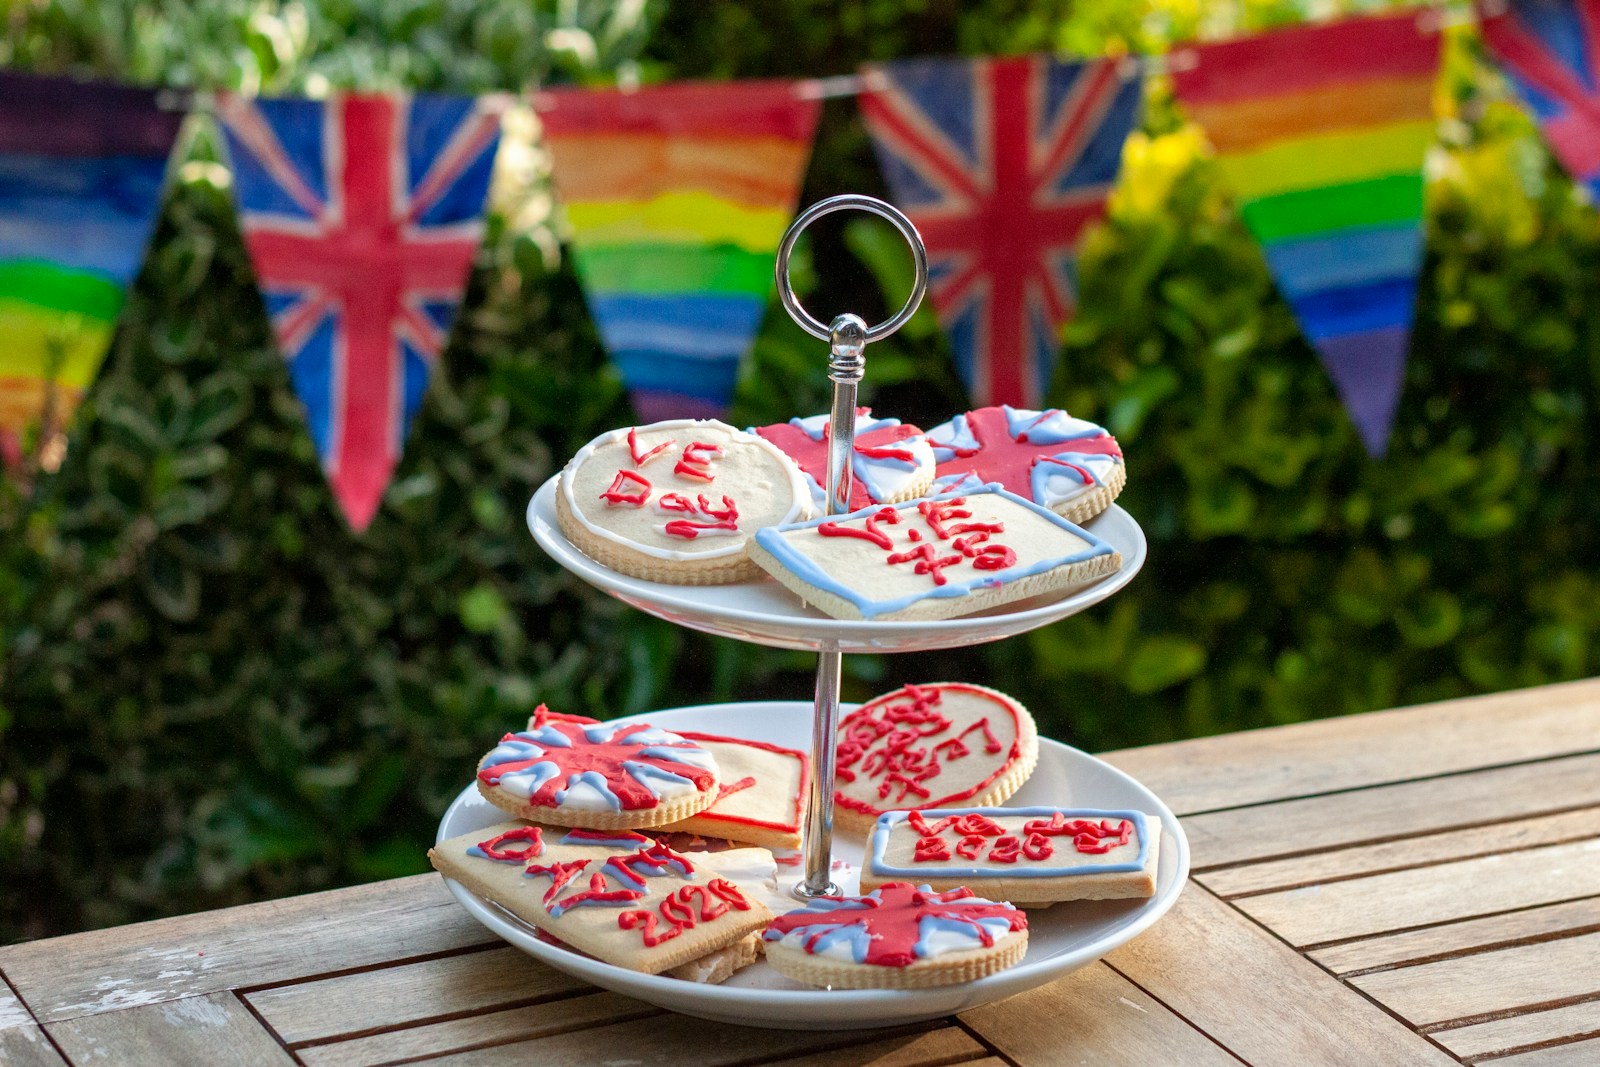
626	766
886	927
811	453
998	448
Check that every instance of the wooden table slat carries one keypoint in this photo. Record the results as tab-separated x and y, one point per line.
948	1045
1454	939
1257	996
1505	980
1406	809
1520	1031
217	1030
27	1046
1264	877
12	1011
1576	1054
1355	751
408	993
491	1028
1094	1008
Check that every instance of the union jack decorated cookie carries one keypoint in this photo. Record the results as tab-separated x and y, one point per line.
891	461
899	936
1070	466
600	775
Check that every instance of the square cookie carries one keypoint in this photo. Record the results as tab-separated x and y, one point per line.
761	798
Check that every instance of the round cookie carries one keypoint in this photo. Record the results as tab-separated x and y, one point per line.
942	745
1070	466
676	501
603	776
899	936
891	461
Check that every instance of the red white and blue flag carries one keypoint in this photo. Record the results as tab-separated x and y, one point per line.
1001	164
1551	50
362	214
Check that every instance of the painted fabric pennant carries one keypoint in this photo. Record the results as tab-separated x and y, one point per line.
677	197
1001	164
81	167
362	214
1321	131
1551	51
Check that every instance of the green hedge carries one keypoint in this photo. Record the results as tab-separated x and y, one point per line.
212	692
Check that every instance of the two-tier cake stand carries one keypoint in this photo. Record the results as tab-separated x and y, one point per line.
763	612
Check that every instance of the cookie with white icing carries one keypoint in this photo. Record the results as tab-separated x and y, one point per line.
899	936
931	746
936	558
603	775
1068	465
617	895
676	501
760	800
1034	856
891	461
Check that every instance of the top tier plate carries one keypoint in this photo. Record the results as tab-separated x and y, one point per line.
765	613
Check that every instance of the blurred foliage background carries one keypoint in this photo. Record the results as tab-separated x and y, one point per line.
210	691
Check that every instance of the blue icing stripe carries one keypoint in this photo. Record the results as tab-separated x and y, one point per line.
773	540
631	841
968	929
643	772
529	780
856	935
594	780
889	820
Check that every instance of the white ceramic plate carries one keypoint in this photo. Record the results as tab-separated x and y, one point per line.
1060	939
764	612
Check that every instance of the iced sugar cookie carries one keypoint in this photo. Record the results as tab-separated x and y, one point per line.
760	799
898	936
1070	466
931	746
676	501
891	461
931	559
617	896
605	775
1033	855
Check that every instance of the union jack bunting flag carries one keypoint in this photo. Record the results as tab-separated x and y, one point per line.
361	214
1551	50
1001	164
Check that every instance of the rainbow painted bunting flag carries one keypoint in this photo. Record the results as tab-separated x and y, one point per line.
677	197
1551	51
81	166
1321	131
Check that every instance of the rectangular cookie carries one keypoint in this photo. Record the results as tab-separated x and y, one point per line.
615	895
936	558
761	796
1035	855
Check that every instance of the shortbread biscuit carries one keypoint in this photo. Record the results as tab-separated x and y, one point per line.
676	501
1031	856
891	461
604	776
617	896
1068	465
761	798
932	559
898	936
931	746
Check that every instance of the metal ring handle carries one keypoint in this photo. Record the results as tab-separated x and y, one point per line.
919	254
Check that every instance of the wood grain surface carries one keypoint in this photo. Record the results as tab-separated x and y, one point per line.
1419	886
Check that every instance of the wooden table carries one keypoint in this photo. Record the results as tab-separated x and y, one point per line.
1407	887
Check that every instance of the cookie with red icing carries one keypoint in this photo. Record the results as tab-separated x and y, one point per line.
899	936
939	745
891	461
676	501
1068	465
601	775
1036	855
615	895
760	800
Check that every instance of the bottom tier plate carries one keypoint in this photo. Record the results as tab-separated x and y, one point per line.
1060	939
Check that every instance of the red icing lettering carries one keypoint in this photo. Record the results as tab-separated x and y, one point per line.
726	518
1037	847
871	533
735	787
630	919
597	893
970	846
892	919
1088	836
675	502
640	459
928	561
1006	849
607	758
530	834
958	748
930	850
618	492
994	558
1009	460
696	461
715	898
560	874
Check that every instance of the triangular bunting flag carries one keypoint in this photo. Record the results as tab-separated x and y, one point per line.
1001	164
362	214
81	167
1551	51
677	197
1321	131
